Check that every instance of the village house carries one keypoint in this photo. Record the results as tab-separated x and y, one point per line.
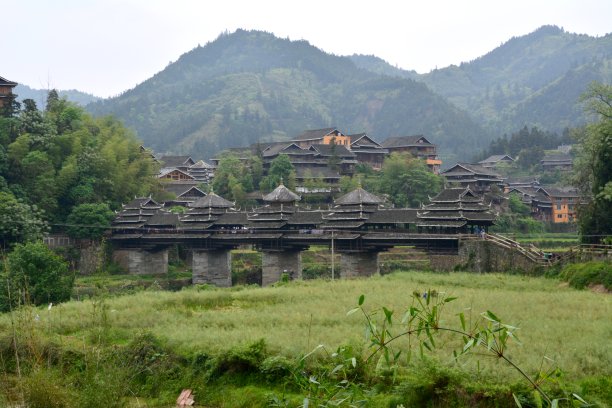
185	193
322	136
418	146
557	161
496	160
477	178
368	151
550	204
184	168
6	91
455	210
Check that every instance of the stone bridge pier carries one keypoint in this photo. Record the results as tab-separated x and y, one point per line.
359	264
142	262
275	263
212	266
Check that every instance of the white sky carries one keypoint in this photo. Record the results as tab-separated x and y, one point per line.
107	46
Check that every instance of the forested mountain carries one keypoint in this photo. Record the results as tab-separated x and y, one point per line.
532	80
250	86
40	95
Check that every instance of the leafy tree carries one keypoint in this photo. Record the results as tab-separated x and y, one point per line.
517	206
348	184
19	222
33	273
62	157
228	172
593	169
280	168
407	180
530	157
89	220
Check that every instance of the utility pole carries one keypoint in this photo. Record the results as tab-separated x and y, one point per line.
332	254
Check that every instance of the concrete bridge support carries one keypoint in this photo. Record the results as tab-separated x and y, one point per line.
274	264
358	264
212	267
142	262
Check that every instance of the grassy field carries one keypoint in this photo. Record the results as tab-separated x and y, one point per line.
569	326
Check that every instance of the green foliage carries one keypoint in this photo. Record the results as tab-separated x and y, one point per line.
582	275
19	222
34	274
593	170
526	144
89	220
281	169
421	325
407	180
233	179
62	157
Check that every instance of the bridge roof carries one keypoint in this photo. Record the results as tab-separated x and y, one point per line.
281	194
212	200
358	196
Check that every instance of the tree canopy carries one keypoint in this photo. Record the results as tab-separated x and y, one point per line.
62	157
407	180
593	169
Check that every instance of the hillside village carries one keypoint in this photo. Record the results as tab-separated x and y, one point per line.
264	224
328	154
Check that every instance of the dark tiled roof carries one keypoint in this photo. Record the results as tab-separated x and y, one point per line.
6	82
232	218
496	158
316	172
142	202
393	216
315	134
201	164
358	196
326	150
362	140
212	200
553	158
180	189
281	194
176	161
556	192
306	218
456	195
406	141
163	218
470	168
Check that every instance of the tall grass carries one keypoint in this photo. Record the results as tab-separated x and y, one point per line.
569	326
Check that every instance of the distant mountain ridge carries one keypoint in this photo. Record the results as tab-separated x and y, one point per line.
535	79
251	86
40	95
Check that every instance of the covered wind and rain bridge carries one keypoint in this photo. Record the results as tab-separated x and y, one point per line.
358	227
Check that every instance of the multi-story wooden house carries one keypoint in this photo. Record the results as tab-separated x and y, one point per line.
6	91
418	146
496	160
368	151
477	178
322	136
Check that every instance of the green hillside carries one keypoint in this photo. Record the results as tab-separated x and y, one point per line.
250	86
534	79
40	95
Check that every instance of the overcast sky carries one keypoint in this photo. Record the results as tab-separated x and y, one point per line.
105	47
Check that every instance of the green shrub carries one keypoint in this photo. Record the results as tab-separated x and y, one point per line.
34	274
240	361
43	388
582	275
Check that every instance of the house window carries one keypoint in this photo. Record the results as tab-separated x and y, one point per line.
559	216
558	206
